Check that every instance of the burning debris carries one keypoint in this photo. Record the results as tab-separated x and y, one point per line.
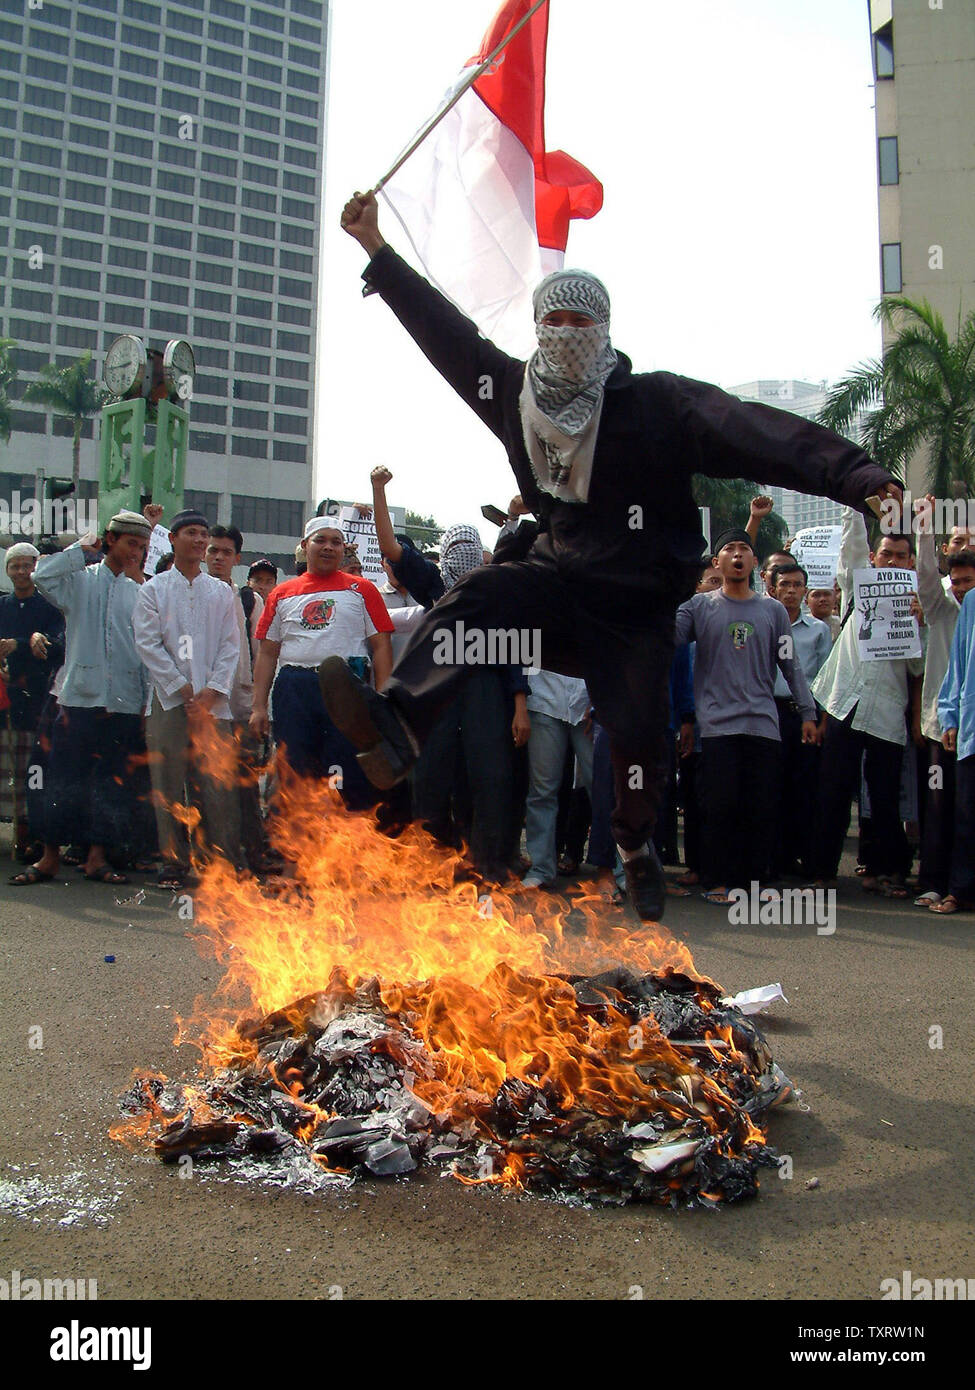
456	1031
683	1085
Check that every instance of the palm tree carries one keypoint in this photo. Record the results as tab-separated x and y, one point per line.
729	500
8	373
921	395
69	394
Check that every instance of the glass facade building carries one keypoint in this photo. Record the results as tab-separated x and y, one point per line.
161	174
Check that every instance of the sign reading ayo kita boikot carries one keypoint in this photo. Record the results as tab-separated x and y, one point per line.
886	627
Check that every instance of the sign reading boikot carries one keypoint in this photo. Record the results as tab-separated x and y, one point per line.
886	628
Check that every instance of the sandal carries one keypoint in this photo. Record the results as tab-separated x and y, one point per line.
928	899
675	889
891	888
30	875
171	881
106	874
717	896
944	908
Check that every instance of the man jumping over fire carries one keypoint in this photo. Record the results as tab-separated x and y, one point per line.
604	459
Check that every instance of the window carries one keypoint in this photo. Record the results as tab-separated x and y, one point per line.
169	265
268	516
218	330
46	70
222	32
254	308
256	227
267	21
255	280
128	230
249	419
27	422
175	183
223	86
80	221
253	335
130	202
47	184
125	172
139	120
76	250
308	33
30	330
251	362
252	449
883	52
216	217
249	197
292	207
179	48
162	321
191	23
887	157
257	173
74	278
219	164
184	154
91	24
28	211
93	53
77	308
298	236
136	9
257	120
49	43
214	246
205	443
210	299
293	342
291	424
84	192
299	106
50	96
134	145
260	43
165	293
173	236
125	287
304	81
294	313
254	251
214	274
217	111
225	139
133	91
127	256
263	149
295	131
284	451
32	153
218	192
291	395
264	72
312	8
36	301
263	96
25	237
71	336
43	125
135	62
88	135
209	414
299	183
294	260
297	371
81	163
217	58
169	207
250	390
890	261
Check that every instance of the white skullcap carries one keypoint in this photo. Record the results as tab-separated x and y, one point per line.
324	523
22	550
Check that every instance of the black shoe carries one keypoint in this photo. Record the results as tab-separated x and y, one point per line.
646	886
370	723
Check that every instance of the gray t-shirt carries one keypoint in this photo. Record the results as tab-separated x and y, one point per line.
739	649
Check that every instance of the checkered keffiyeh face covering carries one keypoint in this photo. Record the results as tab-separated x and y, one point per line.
563	392
460	552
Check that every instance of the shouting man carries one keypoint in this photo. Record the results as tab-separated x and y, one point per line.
600	454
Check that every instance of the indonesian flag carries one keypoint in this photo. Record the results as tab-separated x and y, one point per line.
484	205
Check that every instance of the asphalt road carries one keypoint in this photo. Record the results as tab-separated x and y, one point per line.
887	1133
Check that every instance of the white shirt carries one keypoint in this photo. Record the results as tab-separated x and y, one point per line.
878	689
941	610
187	634
560	697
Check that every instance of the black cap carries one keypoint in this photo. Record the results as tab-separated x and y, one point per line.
263	564
733	533
189	517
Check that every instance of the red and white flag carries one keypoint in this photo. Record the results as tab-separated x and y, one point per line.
484	205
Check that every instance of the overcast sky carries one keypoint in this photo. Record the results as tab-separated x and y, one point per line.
735	142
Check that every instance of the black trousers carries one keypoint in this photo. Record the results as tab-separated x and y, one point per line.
961	882
93	754
938	824
886	849
626	668
689	796
739	782
800	782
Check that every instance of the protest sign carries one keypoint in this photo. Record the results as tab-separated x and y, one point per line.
361	532
817	549
882	612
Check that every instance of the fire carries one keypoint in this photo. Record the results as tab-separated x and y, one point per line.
492	1020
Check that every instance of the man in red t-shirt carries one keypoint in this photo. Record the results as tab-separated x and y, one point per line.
324	612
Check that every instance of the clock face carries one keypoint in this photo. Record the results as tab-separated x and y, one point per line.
125	365
179	365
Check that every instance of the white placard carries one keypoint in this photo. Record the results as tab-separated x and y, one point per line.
159	545
817	549
885	628
361	531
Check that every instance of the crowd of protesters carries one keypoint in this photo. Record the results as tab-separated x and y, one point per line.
141	714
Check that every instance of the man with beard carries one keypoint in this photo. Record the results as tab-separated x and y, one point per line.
599	453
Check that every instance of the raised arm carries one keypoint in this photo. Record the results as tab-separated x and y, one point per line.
472	365
388	543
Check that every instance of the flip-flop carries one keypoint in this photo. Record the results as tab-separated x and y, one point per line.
106	874
948	905
29	876
675	889
717	899
928	899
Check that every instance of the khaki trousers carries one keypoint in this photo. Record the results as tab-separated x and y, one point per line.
180	779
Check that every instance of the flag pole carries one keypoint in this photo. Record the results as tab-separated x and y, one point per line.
455	98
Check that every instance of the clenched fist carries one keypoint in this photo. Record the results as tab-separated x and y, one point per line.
360	218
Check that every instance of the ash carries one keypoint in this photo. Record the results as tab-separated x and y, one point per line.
334	1093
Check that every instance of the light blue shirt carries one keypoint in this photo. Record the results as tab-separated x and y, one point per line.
956	700
102	669
813	644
